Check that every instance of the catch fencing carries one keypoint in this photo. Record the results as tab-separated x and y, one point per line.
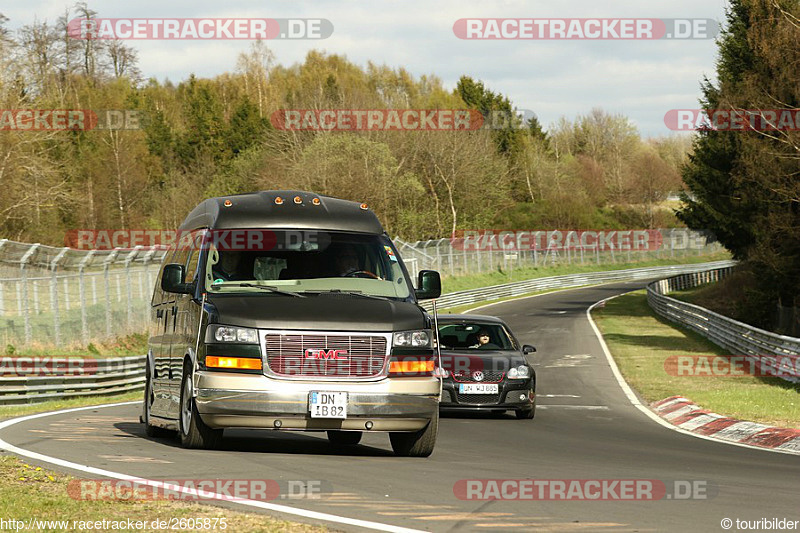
51	295
773	354
64	296
451	257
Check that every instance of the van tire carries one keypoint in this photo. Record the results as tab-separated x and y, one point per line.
149	429
418	443
194	433
341	439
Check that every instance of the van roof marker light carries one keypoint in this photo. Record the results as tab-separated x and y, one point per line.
315	201
364	206
228	203
278	200
298	200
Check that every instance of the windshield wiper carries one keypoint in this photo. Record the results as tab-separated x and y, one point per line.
266	288
349	293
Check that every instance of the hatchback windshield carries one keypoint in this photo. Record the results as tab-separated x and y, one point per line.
474	336
309	263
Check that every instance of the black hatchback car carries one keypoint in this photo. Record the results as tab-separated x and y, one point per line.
484	367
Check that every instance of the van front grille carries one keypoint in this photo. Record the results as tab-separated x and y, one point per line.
322	355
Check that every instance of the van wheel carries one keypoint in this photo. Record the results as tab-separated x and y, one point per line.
344	438
193	431
417	444
149	397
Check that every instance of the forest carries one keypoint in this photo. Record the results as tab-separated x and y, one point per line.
199	137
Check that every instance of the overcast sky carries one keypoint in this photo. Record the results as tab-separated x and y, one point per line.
641	79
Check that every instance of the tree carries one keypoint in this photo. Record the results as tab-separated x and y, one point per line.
744	183
716	202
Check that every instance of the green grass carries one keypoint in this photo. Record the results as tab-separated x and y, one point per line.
640	342
497	277
133	344
29	491
98	316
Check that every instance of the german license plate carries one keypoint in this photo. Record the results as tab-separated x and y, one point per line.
323	404
478	388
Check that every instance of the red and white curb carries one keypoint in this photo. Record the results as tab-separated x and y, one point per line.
682	413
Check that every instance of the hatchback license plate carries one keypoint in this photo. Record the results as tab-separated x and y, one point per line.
478	388
323	404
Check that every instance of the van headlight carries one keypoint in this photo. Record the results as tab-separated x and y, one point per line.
519	372
235	334
412	339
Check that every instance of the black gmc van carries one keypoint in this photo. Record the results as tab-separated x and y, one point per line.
290	310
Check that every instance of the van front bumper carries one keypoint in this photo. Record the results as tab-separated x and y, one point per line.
228	401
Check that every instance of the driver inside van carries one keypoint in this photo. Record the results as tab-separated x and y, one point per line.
347	260
227	269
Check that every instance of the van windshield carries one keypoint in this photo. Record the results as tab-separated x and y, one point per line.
308	262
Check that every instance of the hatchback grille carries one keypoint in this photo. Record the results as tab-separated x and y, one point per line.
469	377
320	355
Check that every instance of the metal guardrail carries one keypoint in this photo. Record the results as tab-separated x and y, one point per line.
517	288
109	376
771	353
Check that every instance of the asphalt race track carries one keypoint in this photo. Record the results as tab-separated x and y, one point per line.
585	428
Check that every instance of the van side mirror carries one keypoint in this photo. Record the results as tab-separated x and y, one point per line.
172	280
527	348
430	285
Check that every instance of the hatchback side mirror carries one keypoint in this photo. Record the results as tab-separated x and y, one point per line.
528	349
430	285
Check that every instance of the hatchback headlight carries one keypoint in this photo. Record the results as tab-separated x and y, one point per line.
235	334
412	339
520	372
